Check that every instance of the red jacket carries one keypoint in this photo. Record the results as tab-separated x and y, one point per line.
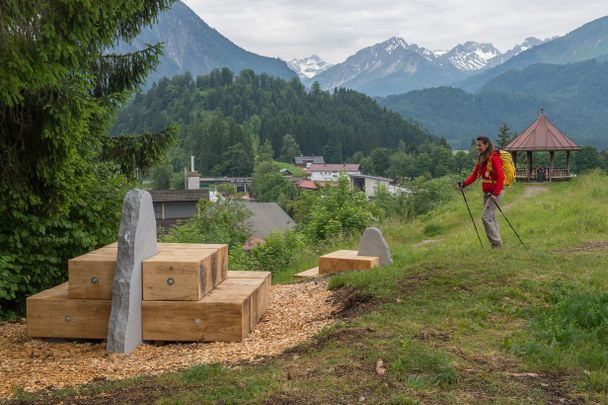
493	179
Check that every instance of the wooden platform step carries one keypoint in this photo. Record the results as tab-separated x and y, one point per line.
310	273
228	313
180	271
51	313
346	260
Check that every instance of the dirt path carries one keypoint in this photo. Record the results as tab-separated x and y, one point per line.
298	312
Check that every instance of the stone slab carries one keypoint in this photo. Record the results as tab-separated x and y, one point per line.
372	243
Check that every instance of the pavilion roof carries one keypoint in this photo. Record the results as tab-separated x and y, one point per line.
542	135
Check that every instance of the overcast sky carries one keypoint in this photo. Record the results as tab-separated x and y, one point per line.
335	29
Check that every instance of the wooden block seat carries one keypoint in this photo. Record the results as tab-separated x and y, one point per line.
51	313
91	275
228	313
346	260
183	274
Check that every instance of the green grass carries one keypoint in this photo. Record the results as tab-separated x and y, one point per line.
453	322
295	170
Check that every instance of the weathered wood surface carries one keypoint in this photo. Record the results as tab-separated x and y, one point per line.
346	260
51	313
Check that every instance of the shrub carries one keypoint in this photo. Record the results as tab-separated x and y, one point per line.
278	251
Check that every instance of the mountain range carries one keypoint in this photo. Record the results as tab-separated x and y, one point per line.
568	76
394	66
192	45
486	87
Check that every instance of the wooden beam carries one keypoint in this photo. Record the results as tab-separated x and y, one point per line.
187	274
228	313
346	260
51	313
551	164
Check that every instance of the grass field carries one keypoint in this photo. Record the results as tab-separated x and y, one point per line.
451	322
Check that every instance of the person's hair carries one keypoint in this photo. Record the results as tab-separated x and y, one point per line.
485	155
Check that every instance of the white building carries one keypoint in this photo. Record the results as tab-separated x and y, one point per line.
331	172
369	184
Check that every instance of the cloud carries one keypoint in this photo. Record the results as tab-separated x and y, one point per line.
336	29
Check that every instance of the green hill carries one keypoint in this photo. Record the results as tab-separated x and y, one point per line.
575	96
222	117
453	323
584	43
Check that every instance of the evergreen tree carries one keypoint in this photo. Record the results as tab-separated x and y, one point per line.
289	149
265	152
59	90
504	136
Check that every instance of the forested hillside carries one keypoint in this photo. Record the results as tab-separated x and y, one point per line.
575	97
223	118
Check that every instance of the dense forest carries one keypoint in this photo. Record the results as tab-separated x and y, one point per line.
224	117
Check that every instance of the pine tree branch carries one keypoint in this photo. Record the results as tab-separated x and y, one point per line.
138	152
119	73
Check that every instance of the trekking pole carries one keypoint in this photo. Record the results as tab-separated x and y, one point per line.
509	222
469	208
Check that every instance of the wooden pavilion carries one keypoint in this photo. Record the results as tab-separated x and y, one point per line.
542	136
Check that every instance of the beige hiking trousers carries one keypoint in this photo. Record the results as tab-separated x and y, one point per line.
488	217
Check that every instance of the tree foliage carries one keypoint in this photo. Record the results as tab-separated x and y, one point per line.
210	108
59	90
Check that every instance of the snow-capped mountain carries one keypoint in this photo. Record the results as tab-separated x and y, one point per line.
394	66
470	56
309	67
389	67
528	43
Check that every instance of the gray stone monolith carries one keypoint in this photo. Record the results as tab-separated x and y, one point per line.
372	243
136	242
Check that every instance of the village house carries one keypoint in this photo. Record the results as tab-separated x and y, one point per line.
306	161
331	172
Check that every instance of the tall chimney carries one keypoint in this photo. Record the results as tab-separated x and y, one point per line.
191	163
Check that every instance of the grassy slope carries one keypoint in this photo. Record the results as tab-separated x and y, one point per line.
295	170
440	319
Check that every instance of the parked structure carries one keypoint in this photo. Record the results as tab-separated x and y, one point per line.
542	136
331	172
306	161
267	217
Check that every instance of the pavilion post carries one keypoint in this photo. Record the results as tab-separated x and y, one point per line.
551	164
514	154
568	162
529	165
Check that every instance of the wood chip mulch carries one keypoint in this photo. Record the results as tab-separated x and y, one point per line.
298	312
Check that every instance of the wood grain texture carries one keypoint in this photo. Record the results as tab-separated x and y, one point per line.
90	276
51	313
263	295
346	260
181	274
228	313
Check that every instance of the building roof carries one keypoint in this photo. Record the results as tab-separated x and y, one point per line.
267	217
309	184
179	195
368	176
340	167
300	160
542	135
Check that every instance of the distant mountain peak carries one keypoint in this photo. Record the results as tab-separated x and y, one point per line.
308	67
394	43
471	55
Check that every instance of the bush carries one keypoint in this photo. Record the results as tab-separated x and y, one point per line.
278	251
223	221
339	210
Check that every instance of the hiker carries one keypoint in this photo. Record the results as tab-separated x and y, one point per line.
489	167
